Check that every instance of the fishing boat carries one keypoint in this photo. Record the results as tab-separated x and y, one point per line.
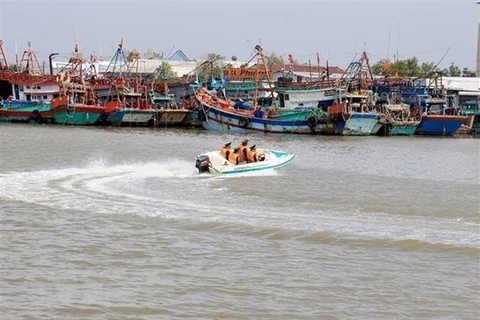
360	117
24	111
441	115
399	120
133	111
191	118
259	114
471	109
221	115
360	114
169	114
77	103
213	162
29	90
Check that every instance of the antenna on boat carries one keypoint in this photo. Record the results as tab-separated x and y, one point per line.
388	43
435	67
398	44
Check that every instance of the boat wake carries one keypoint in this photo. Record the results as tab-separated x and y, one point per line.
174	190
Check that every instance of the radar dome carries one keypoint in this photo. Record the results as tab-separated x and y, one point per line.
234	58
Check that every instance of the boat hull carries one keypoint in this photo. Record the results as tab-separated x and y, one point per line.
408	130
441	125
362	124
77	115
25	111
192	120
171	117
134	117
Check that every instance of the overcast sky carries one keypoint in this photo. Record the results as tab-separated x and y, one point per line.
334	29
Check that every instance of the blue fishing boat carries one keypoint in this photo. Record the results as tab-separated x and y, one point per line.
362	124
360	119
441	115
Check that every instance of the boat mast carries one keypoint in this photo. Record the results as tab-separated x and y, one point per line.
32	66
3	57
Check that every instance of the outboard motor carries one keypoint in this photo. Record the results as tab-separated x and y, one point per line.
202	163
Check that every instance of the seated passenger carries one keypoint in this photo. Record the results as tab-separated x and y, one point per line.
225	150
252	154
243	147
233	156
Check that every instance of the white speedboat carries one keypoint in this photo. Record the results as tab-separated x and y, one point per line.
213	162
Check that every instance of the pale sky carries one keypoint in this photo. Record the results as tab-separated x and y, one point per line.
334	29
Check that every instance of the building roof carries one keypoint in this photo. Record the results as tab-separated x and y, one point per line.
461	83
179	56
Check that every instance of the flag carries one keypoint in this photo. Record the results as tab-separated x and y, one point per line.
386	66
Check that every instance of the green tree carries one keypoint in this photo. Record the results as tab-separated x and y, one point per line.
379	68
452	71
165	71
427	68
468	73
132	55
150	54
212	65
273	58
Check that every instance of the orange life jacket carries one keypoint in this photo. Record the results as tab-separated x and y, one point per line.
233	157
252	156
243	152
223	151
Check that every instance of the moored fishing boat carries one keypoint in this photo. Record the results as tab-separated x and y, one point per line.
261	114
362	124
77	103
169	114
220	115
68	110
360	118
29	90
399	120
24	111
472	109
440	116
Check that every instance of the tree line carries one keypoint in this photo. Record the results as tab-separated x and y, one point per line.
412	68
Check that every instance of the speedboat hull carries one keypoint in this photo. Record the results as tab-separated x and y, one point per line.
214	163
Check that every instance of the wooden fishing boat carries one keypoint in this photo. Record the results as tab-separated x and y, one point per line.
263	114
360	117
77	103
30	89
24	111
472	109
399	121
221	115
169	114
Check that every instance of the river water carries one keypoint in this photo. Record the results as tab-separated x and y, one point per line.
116	223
